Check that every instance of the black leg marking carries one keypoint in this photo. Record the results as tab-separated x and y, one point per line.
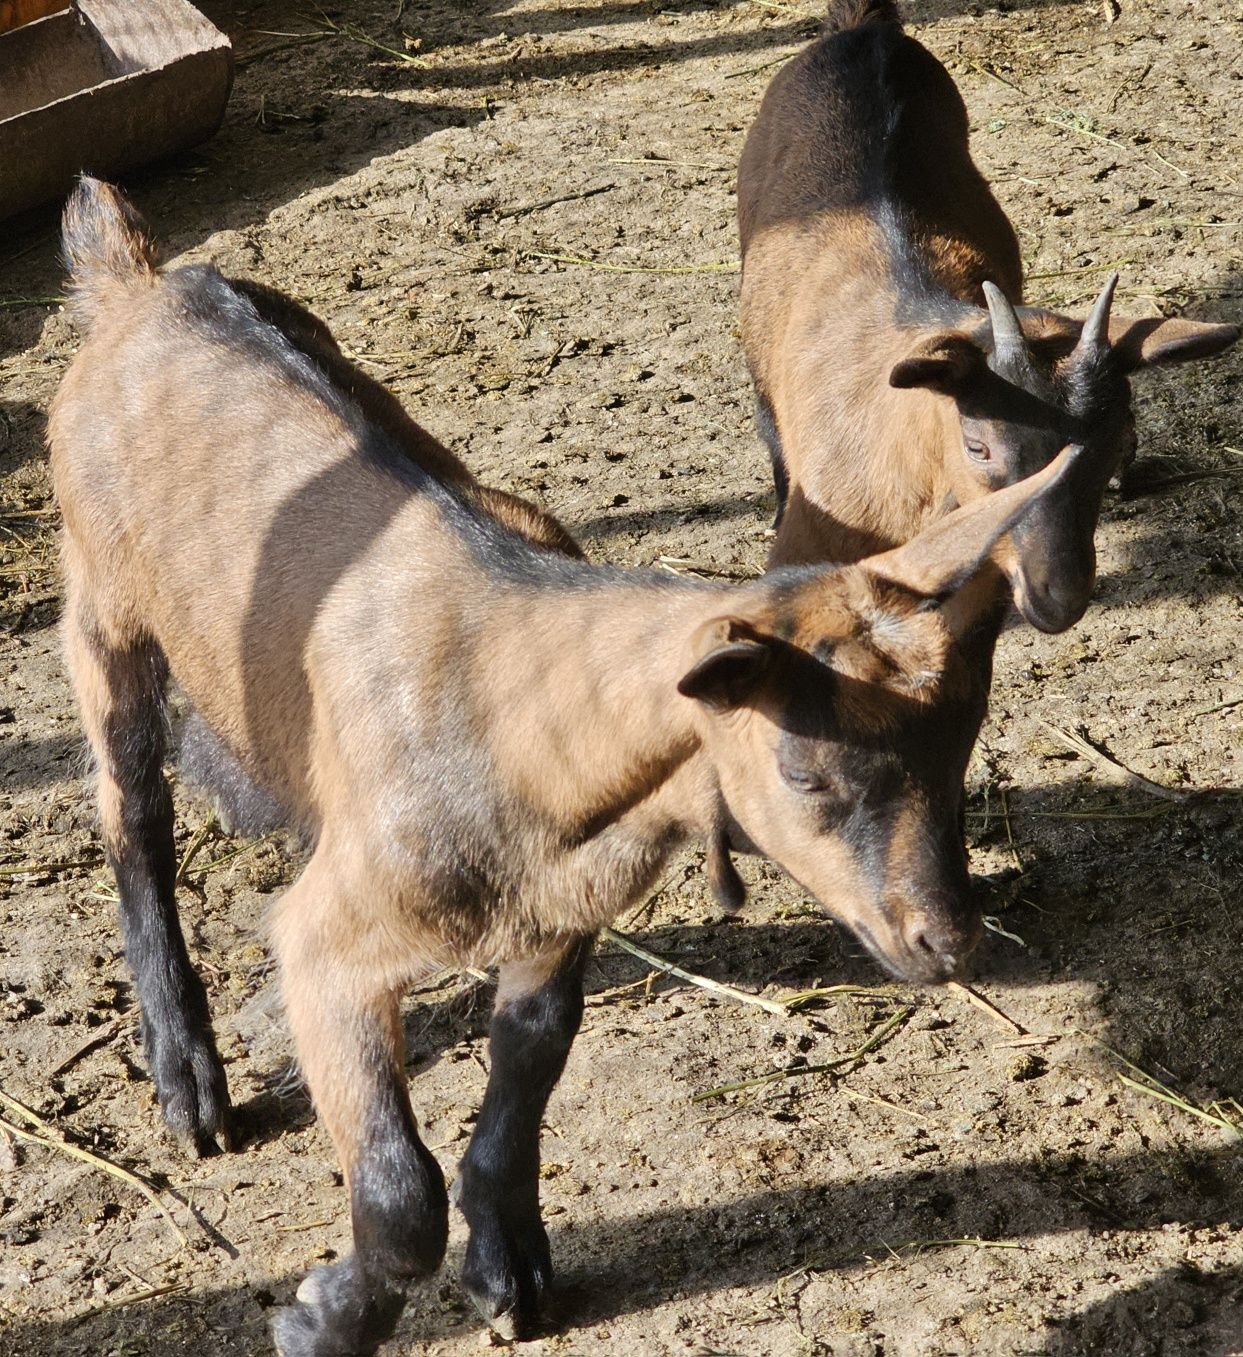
122	699
508	1270
766	423
400	1214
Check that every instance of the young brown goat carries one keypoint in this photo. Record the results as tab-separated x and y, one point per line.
894	375
492	745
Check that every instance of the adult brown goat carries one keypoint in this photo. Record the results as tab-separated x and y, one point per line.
895	372
491	745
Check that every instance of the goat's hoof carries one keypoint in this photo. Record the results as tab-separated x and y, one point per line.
336	1314
508	1276
194	1100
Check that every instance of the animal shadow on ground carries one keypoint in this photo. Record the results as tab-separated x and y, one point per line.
756	1239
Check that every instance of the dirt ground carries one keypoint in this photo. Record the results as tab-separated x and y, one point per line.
521	219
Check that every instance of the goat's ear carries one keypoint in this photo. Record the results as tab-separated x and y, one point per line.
1145	343
948	553
730	661
946	363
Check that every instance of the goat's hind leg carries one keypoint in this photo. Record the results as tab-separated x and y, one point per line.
508	1270
346	1023
120	684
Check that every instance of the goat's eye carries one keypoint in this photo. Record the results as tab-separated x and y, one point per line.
808	780
978	452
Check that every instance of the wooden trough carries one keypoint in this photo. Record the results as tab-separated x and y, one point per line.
102	86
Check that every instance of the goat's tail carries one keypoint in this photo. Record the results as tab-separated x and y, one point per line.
846	14
105	246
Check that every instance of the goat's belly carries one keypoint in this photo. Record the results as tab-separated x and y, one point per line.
207	763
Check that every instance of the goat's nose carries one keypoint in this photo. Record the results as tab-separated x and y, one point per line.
937	947
1052	605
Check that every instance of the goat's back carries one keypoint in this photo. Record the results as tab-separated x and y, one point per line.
223	497
866	121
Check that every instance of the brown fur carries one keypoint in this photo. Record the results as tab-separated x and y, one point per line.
492	745
867	236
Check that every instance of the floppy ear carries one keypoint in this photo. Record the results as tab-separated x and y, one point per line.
949	552
946	363
729	666
1145	343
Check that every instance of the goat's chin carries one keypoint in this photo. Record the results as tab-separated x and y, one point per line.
1049	618
908	968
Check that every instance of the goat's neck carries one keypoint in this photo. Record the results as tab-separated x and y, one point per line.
594	731
917	428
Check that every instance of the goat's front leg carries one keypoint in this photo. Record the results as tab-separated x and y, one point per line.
539	1005
342	1002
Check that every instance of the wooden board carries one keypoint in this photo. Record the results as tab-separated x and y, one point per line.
14	13
105	86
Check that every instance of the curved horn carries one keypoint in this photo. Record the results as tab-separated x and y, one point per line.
1007	332
1096	328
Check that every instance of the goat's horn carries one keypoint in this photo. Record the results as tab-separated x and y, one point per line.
1007	332
1096	328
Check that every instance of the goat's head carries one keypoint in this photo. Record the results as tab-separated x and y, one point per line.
1026	383
839	707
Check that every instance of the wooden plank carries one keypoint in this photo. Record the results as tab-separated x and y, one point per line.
145	79
15	13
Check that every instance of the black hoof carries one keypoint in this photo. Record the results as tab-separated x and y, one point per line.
508	1275
194	1096
337	1314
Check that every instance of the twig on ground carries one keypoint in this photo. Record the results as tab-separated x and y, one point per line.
100	1037
195	844
579	261
801	998
682	565
763	66
994	925
7	303
1116	771
996	75
882	1033
605	995
1005	819
781	8
667	162
234	853
527	208
1111	267
979	1001
922	1245
1221	706
1088	813
879	1102
50	1138
714	986
348	31
1148	487
292	40
1152	1087
134	1298
47	868
1137	81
